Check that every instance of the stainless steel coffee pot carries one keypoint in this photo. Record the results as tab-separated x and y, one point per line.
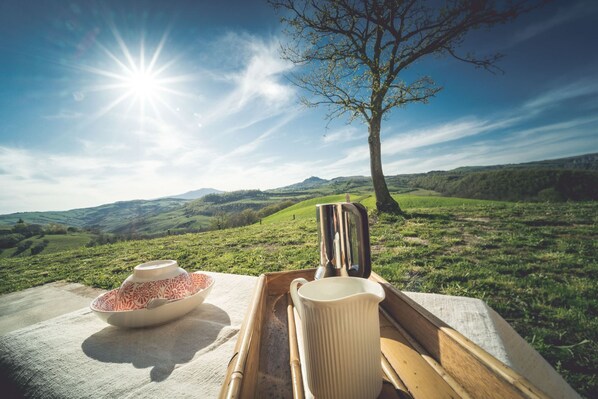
344	240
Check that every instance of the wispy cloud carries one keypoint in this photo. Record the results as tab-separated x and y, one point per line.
433	135
584	87
342	135
544	141
253	145
257	82
561	16
424	137
63	114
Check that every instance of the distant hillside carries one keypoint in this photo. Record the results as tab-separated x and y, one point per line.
109	217
583	162
339	185
563	179
311	182
196	194
572	178
514	184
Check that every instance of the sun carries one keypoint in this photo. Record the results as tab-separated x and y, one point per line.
141	80
143	85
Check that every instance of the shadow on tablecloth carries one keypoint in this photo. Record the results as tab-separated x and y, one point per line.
160	347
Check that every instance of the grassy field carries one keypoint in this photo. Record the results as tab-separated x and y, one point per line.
536	264
56	243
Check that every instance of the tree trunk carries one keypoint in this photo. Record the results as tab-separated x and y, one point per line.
384	202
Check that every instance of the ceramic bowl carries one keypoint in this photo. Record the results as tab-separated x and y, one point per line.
159	280
104	306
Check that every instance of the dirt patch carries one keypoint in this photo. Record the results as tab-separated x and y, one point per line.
416	240
470	239
481	220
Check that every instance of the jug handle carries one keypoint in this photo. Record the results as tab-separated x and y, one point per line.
295	295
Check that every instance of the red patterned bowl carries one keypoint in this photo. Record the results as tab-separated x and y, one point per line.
159	279
104	306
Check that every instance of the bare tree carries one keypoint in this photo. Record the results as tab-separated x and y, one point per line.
356	52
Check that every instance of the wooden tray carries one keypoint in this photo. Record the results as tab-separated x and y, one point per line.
421	357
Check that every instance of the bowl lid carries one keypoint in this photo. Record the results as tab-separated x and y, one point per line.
156	270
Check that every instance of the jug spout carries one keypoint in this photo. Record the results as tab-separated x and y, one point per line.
344	240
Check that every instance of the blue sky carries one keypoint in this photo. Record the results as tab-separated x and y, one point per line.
79	128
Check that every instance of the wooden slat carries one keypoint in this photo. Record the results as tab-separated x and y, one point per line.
240	380
399	386
429	359
294	360
279	282
421	380
478	372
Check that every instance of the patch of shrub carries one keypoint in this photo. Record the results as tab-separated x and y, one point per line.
272	209
39	247
10	240
22	247
103	239
55	228
28	230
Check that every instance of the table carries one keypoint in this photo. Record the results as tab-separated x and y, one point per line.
76	355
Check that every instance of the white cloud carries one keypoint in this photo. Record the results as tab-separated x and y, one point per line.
434	135
257	83
343	135
580	88
63	114
561	16
573	137
419	138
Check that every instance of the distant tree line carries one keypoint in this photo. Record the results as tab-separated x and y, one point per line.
18	236
514	184
220	220
13	236
247	216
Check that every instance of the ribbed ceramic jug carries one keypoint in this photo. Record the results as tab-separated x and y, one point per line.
341	334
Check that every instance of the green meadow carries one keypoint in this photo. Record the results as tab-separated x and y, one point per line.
534	263
53	243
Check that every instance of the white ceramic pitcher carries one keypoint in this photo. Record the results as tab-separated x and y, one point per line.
341	330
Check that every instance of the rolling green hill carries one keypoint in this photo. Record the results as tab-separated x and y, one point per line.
49	244
307	209
109	217
580	162
514	184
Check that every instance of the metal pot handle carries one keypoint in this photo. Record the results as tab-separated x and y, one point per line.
363	238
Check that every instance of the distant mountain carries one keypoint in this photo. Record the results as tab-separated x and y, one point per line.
339	185
309	183
196	194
